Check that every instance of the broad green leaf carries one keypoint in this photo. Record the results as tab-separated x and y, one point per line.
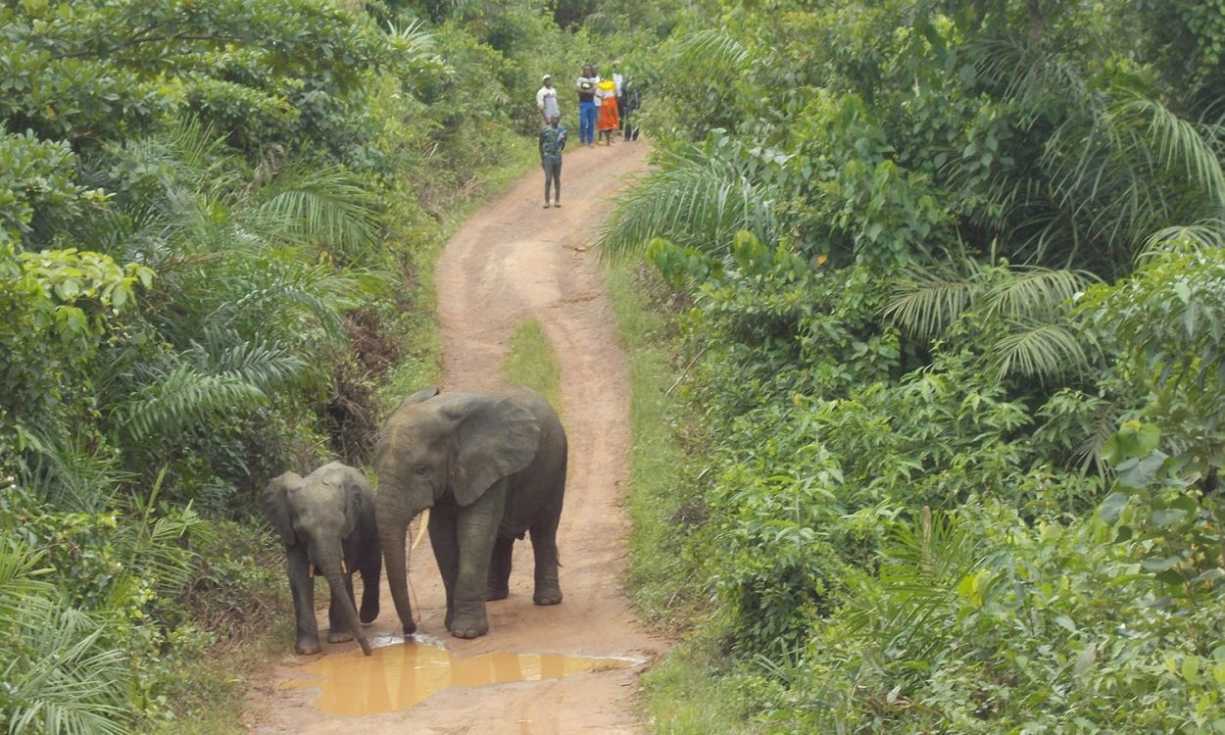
1112	507
1161	564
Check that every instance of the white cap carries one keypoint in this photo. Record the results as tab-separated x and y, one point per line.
546	77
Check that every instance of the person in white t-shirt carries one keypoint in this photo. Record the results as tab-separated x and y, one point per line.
546	99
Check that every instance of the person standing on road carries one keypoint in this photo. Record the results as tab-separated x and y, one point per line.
546	100
619	84
633	102
606	93
586	86
552	143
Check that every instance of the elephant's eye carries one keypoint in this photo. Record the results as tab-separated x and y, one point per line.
422	469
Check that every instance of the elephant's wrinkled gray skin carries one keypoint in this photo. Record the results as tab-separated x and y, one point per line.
327	519
491	467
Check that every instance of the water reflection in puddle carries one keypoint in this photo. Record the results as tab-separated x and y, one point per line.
396	677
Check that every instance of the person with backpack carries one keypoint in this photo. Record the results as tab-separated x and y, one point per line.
552	143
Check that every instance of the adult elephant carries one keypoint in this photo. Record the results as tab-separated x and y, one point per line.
327	521
490	467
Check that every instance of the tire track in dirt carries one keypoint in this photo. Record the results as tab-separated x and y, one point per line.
511	262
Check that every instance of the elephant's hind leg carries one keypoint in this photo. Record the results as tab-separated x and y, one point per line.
544	548
499	569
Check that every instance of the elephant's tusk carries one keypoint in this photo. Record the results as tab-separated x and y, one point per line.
425	521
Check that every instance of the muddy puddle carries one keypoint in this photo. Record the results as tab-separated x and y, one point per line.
398	676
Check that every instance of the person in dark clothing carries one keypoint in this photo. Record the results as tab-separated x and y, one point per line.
633	102
552	143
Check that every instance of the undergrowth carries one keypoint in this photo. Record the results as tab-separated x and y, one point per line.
683	696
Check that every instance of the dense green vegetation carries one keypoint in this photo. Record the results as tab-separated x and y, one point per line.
945	278
217	224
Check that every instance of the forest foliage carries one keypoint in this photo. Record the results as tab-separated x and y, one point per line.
212	216
950	278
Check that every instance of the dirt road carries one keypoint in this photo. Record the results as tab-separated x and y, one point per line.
511	262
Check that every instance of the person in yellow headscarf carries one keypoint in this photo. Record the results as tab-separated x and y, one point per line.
610	118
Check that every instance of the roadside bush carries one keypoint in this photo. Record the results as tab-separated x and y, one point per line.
950	275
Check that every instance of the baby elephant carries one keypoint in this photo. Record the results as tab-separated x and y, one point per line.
327	523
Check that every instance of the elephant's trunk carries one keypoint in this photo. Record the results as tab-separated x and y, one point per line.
340	592
392	529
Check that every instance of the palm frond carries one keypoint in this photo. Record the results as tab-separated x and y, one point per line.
181	396
926	302
1133	167
153	552
68	683
1206	235
327	206
923	563
414	42
276	294
59	677
1181	145
1033	290
1044	351
1032	77
713	47
71	473
263	364
20	572
698	203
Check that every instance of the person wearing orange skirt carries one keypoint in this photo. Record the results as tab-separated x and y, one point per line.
609	119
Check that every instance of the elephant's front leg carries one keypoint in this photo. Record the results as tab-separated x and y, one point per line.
302	587
477	529
338	629
445	543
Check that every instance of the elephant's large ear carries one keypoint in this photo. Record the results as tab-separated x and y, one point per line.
276	504
355	485
495	437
